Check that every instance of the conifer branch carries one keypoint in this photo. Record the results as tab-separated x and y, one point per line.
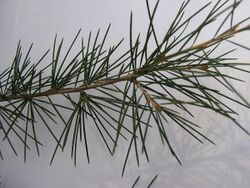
138	72
140	85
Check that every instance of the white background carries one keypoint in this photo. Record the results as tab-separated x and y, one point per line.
225	165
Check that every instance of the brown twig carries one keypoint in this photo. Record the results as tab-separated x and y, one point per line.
136	73
148	97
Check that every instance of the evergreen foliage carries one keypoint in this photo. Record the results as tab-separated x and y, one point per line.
124	94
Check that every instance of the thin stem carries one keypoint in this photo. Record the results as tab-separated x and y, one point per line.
132	75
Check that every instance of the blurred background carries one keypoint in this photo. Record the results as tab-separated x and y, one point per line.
227	164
